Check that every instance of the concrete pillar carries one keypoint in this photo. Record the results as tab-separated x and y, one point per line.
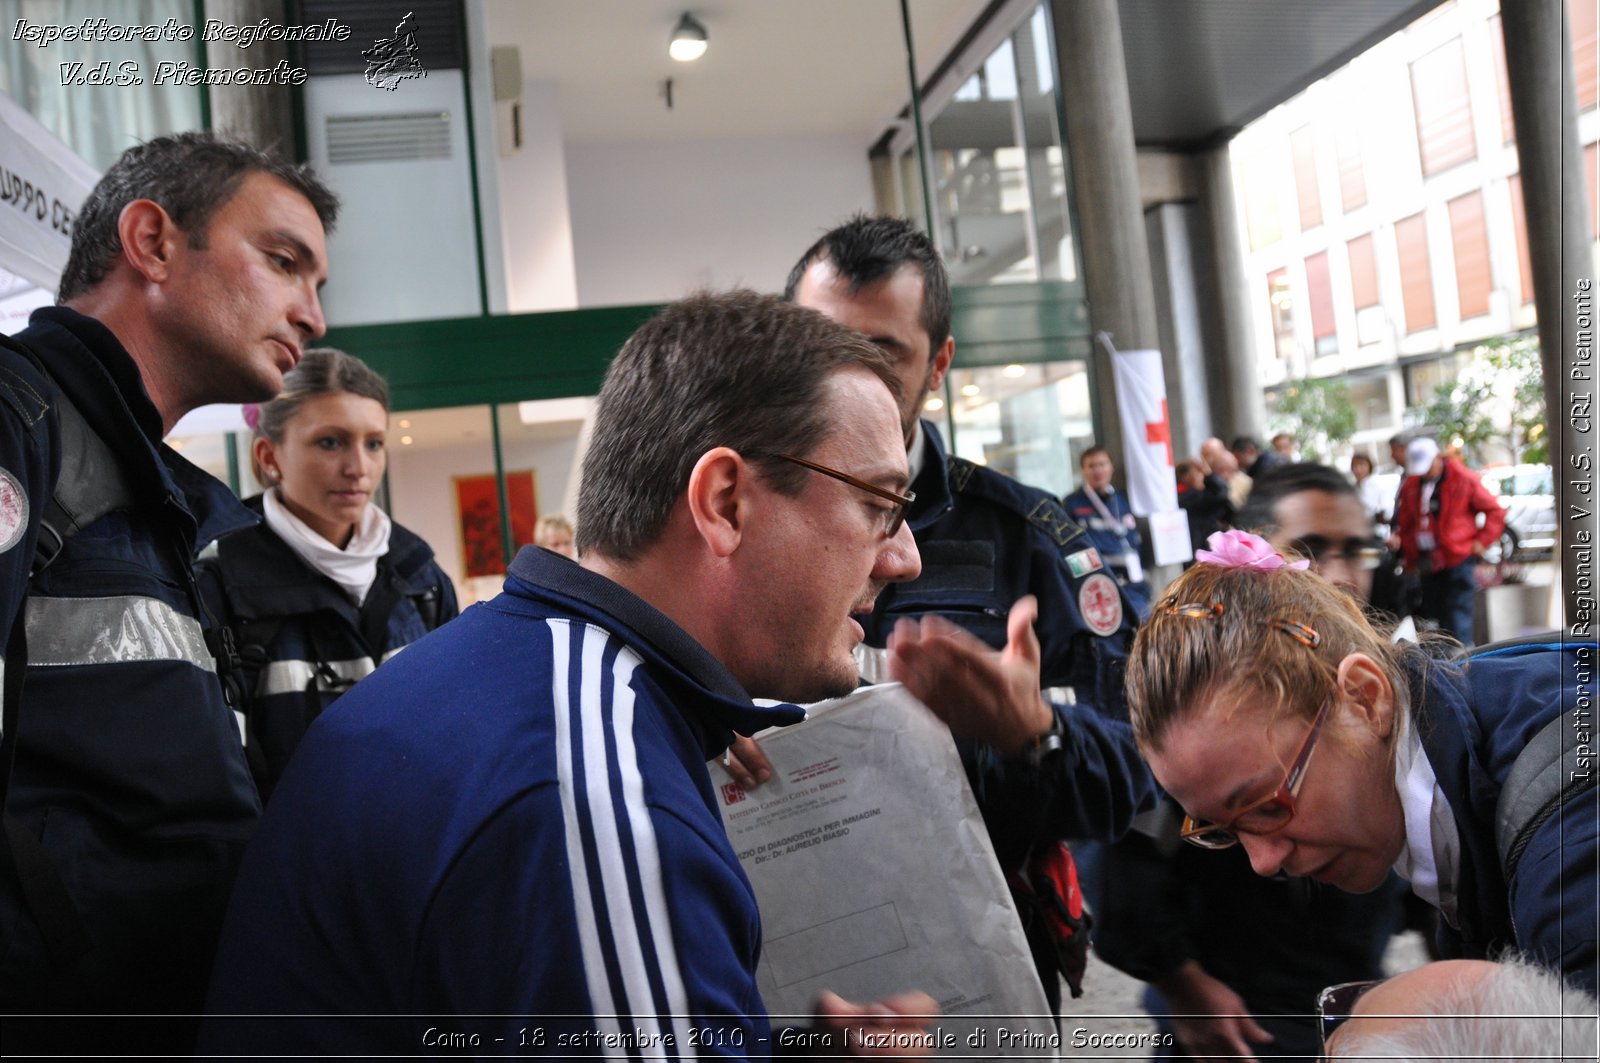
259	115
1545	113
1236	404
1097	123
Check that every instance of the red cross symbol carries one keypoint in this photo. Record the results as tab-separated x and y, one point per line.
1160	432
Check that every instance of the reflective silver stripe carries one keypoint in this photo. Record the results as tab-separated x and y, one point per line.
291	677
67	631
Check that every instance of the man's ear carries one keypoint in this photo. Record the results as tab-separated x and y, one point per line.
717	496
1365	689
941	363
150	239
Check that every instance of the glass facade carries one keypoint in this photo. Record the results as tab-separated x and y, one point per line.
991	160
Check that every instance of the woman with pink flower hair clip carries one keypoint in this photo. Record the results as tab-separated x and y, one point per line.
1269	707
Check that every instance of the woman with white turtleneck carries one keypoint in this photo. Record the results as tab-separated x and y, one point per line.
327	587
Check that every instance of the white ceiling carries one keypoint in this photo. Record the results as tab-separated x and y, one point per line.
773	67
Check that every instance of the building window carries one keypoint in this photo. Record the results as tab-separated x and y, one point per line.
1263	214
1303	147
999	173
1470	238
1352	176
1281	299
1422	379
1581	21
1369	394
1319	293
1416	277
1520	224
1497	44
1027	421
1590	173
1370	320
1443	111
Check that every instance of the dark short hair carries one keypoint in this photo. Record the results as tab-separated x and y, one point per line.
1273	486
1244	443
1091	452
866	249
697	376
1184	468
190	176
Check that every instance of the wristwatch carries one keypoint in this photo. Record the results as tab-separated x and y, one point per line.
1047	743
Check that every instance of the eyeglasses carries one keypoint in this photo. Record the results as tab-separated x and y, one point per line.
1365	554
1271	813
1335	1003
895	516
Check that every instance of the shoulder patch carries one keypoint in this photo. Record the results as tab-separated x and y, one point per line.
1061	528
1084	562
1100	604
960	471
13	511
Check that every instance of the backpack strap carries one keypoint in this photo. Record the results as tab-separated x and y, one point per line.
1545	774
90	484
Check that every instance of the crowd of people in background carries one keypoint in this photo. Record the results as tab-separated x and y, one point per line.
280	786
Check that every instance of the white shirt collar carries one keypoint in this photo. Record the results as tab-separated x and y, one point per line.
917	450
1430	859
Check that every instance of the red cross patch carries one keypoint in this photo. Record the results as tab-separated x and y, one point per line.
13	511
1100	604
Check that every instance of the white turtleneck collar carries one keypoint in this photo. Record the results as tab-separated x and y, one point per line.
355	567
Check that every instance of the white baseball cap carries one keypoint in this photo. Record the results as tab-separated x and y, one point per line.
1419	456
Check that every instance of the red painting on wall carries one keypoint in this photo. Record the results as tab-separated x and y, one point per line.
478	516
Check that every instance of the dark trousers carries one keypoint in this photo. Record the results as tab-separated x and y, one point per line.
1447	598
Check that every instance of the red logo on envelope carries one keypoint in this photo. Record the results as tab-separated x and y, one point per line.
732	793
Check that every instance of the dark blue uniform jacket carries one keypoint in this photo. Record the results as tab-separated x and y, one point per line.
129	763
303	641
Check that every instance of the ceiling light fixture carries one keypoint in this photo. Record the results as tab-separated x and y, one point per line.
688	40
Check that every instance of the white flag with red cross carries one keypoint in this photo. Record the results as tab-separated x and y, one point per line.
1146	429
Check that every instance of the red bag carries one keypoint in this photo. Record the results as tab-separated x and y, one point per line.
1047	894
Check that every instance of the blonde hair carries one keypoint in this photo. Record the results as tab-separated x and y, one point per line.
1226	630
550	522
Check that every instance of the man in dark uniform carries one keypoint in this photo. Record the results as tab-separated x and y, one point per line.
1000	560
192	279
1107	516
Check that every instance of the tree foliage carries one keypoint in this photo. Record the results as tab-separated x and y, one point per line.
1497	398
1320	415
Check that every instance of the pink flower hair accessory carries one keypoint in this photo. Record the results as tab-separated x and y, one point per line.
252	414
1240	549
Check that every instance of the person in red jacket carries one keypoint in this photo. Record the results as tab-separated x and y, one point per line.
1437	532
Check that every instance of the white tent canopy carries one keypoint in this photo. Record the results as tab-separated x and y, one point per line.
42	184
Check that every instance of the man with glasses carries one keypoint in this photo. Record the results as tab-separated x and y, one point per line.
1000	560
1210	936
514	817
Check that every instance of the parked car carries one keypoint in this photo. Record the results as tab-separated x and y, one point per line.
1528	493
